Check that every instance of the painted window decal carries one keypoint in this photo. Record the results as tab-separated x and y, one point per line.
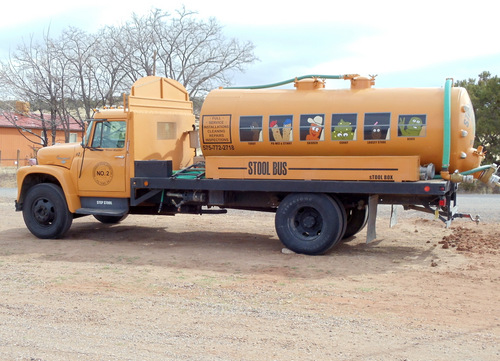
344	126
311	127
251	128
377	126
412	125
280	128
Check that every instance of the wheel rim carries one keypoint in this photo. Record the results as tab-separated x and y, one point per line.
307	223
43	211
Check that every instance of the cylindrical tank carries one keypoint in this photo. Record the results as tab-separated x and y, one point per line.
361	121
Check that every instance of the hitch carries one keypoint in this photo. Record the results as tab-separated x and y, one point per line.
475	219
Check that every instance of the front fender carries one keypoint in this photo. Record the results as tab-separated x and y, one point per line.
28	177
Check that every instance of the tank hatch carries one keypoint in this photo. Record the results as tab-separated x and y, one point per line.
310	84
362	82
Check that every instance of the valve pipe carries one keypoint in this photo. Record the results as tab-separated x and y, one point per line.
468	172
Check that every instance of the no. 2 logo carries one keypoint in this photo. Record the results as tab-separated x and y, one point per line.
103	173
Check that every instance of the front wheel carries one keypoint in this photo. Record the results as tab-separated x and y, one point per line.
45	211
310	223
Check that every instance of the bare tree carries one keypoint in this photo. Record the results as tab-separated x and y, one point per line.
139	35
68	76
35	73
78	49
96	69
192	51
112	57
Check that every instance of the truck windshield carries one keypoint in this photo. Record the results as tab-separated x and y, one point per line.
109	134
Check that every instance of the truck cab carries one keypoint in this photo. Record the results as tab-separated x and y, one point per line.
93	177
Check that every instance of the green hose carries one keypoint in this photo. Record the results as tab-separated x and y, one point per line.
273	85
475	170
195	173
447	125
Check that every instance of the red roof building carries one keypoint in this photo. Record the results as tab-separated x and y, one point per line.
19	144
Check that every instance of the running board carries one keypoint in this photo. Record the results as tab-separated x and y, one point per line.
102	212
103	206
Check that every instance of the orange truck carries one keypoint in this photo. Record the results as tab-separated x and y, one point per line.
321	159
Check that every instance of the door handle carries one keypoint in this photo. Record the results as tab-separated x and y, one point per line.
119	156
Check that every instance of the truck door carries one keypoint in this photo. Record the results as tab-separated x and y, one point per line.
105	158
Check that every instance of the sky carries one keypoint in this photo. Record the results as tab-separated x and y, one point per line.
404	43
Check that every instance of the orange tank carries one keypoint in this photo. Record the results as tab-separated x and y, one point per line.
361	121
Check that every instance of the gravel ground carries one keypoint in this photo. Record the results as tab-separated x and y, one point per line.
220	288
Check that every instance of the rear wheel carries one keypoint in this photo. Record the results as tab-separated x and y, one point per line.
45	211
110	219
310	223
356	221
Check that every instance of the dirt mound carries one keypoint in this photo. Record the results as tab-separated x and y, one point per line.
464	239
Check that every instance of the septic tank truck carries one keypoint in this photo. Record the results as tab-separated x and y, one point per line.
321	159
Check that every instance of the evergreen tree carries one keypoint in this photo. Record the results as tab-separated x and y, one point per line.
485	96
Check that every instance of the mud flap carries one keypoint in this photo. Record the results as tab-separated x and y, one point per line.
371	233
394	216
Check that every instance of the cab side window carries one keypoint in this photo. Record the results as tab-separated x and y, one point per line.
109	134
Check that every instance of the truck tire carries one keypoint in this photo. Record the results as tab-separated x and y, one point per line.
45	211
310	223
356	221
110	219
